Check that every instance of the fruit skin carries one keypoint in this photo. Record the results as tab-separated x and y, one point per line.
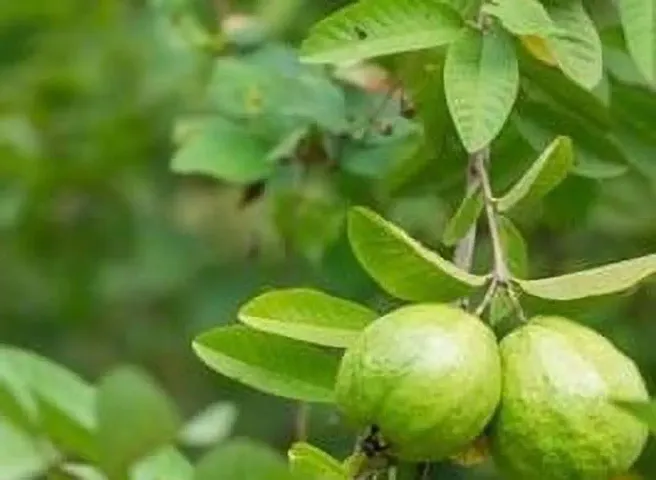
427	375
554	421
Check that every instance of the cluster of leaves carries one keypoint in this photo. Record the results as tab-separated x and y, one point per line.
291	339
54	424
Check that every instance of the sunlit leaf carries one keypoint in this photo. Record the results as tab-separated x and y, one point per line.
270	363
481	81
638	18
575	44
546	173
165	464
522	17
309	462
604	280
371	28
307	315
210	426
135	418
21	456
466	215
401	265
65	402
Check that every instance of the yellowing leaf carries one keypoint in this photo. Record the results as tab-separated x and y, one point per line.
538	47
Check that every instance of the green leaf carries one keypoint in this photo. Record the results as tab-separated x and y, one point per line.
272	364
514	246
307	315
80	471
372	28
65	402
401	265
211	426
165	464
481	81
522	17
135	418
242	460
604	280
310	463
226	151
638	18
643	411
545	174
576	44
22	457
17	403
466	215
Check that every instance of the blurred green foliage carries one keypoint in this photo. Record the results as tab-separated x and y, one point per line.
106	257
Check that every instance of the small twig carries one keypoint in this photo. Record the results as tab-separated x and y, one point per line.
301	422
514	299
501	273
487	298
423	471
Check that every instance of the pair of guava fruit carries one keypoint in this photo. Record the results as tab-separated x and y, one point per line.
432	378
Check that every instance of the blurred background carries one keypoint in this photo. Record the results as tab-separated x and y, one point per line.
108	257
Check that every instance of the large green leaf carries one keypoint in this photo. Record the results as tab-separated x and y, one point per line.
466	215
371	28
242	460
643	411
21	456
514	246
65	402
546	173
638	18
226	151
307	315
401	265
575	44
17	403
481	81
522	17
272	364
135	418
599	281
308	462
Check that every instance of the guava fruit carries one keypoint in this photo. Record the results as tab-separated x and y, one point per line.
427	375
556	420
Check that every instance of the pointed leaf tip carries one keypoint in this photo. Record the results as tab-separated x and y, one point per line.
270	363
307	315
401	265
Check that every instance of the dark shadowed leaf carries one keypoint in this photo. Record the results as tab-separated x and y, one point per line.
307	315
515	247
371	28
270	363
401	265
599	281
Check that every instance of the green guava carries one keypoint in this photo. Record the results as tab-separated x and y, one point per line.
428	376
555	420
